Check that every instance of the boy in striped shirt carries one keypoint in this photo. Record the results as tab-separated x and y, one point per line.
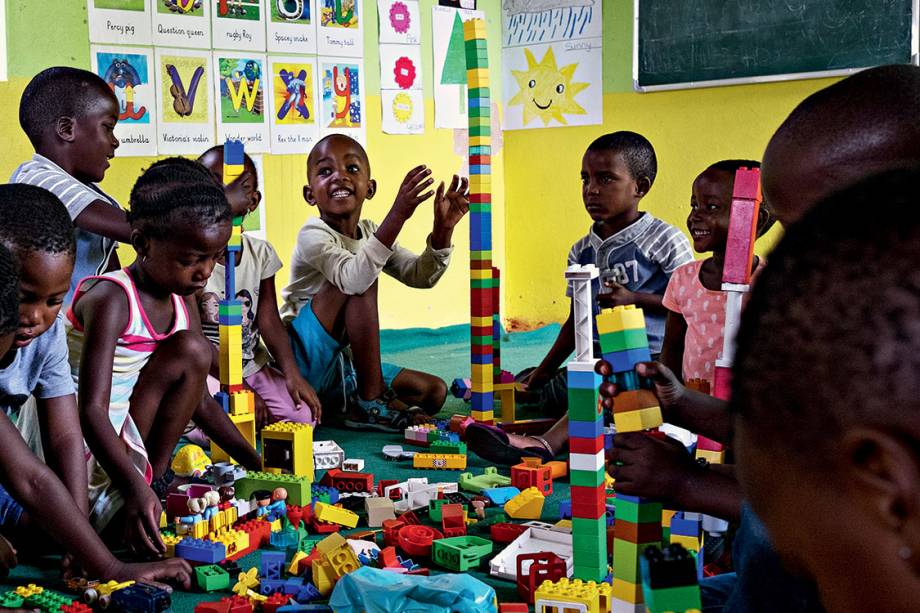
69	116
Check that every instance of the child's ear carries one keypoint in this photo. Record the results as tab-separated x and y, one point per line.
140	243
371	189
642	186
254	203
882	469
63	128
765	220
308	195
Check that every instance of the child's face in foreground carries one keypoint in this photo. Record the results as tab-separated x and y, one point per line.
44	279
339	179
710	210
242	193
94	141
182	264
609	189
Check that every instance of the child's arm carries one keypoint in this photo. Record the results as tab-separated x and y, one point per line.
100	217
46	500
620	296
409	196
561	349
672	348
104	313
62	441
276	339
211	418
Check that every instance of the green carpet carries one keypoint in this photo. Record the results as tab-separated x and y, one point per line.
443	352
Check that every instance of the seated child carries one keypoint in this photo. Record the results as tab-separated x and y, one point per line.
30	487
331	300
281	394
827	414
137	350
694	297
69	115
34	225
635	254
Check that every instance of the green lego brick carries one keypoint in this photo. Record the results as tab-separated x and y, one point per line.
212	577
622	340
480	131
626	560
229	309
238	221
480	284
586	478
460	553
630	511
447	447
589	572
589	531
298	488
681	598
583	404
477	92
481	207
11	600
480	111
480	255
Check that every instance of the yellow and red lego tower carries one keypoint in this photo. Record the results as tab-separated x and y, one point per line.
233	397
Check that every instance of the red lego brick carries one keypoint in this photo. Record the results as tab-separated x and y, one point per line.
588	446
416	539
505	533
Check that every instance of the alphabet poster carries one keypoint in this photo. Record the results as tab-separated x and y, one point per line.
342	92
449	50
238	25
182	23
129	72
551	63
119	22
293	109
185	114
239	89
341	28
292	26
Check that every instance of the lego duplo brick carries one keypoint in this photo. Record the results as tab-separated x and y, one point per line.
627	317
298	488
636	421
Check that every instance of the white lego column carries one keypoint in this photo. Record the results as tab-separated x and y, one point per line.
582	309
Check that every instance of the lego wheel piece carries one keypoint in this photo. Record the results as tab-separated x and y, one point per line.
416	539
393	452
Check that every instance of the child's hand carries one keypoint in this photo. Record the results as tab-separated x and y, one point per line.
534	380
412	191
142	521
650	467
263	416
303	393
668	389
174	570
617	296
451	205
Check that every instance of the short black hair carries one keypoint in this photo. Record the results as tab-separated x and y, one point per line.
831	335
248	163
636	150
350	140
732	166
9	292
176	192
33	219
59	91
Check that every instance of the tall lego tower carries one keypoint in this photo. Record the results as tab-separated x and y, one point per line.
232	397
482	280
624	343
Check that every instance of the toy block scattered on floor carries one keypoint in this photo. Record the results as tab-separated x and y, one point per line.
526	505
287	447
670	580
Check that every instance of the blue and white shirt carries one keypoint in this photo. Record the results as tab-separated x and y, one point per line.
640	257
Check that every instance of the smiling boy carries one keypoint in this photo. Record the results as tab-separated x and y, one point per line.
69	116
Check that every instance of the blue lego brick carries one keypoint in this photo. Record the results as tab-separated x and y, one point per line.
628	380
293	585
480	169
501	495
623	361
583	380
223	399
307	593
484	399
272	564
481	150
685	527
323	493
200	550
565	509
233	152
479	102
483	243
270	586
230	320
586	429
480	359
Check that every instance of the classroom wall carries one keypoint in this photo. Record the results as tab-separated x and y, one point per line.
36	42
690	129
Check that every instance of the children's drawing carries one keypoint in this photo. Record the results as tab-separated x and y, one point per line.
238	25
449	52
342	92
119	22
293	119
399	21
291	26
185	114
403	111
192	8
242	105
400	67
128	71
551	63
241	98
545	90
339	13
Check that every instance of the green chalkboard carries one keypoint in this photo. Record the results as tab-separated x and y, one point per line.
693	42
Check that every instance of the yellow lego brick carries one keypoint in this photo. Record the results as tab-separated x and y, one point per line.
526	505
666	516
636	421
200	529
713	457
335	515
486	416
689	542
246	424
477	77
294	568
242	402
473	29
439	461
276	526
481	273
478	322
563	525
480	181
337	554
295	442
595	597
323	577
624	590
481	372
479	141
171	541
628	317
504	393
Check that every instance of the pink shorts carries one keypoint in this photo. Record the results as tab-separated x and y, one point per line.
269	384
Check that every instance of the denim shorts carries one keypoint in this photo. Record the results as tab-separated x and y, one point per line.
10	510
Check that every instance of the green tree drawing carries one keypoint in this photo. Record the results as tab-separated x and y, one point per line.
454	70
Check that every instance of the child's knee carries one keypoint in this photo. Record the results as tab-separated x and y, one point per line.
191	350
436	394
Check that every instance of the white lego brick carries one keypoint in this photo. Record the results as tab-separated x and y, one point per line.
353	465
582	366
532	540
586	461
576	271
327	455
622	606
545	605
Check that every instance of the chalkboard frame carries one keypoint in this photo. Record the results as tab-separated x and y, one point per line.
914	59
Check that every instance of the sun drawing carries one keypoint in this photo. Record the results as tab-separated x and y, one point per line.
546	91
